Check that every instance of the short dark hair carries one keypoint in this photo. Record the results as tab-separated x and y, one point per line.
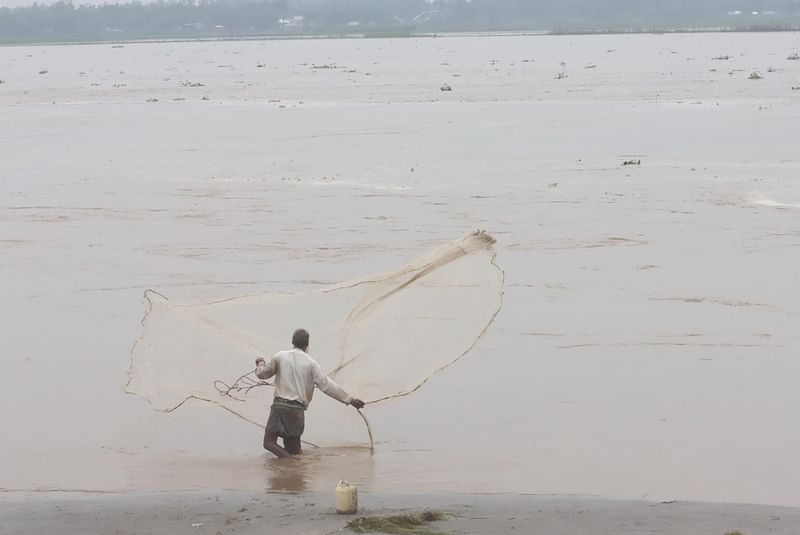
300	339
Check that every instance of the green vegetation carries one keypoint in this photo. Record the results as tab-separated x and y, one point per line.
405	524
65	21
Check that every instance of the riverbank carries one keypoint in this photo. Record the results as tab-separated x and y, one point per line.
231	512
398	33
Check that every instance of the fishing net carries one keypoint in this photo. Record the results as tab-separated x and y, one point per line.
378	337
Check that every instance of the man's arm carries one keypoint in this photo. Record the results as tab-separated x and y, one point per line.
329	386
264	369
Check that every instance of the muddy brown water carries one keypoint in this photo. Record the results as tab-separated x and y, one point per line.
648	344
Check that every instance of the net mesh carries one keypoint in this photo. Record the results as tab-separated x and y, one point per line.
378	337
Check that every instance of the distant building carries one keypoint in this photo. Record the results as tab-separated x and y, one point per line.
425	16
195	26
292	22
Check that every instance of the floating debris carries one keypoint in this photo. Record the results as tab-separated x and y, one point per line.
796	88
43	72
794	57
631	162
591	66
771	69
187	83
152	100
205	97
755	75
117	46
260	65
2	82
412	524
561	76
178	99
445	87
722	58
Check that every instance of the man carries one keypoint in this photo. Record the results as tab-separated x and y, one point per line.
296	374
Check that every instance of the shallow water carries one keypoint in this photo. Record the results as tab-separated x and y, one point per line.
648	342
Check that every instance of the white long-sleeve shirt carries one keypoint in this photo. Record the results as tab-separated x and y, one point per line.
296	374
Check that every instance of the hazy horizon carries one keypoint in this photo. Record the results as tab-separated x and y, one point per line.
88	20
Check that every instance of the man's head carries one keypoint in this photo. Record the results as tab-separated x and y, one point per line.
300	339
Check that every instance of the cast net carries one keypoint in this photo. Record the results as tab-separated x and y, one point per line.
378	337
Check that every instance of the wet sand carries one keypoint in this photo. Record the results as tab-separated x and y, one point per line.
230	512
647	348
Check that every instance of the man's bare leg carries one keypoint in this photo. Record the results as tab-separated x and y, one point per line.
271	445
292	445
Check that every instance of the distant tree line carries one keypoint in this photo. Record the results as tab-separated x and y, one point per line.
197	18
163	18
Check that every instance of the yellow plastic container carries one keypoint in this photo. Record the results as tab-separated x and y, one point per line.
346	498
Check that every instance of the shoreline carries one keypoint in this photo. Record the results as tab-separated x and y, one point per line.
235	512
411	35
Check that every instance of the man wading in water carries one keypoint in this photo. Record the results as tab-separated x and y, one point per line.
296	375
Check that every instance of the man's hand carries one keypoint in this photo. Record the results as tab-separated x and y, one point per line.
260	360
357	403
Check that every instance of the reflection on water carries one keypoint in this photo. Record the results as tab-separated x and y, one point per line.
317	469
289	473
320	468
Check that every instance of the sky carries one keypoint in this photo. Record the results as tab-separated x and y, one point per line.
16	3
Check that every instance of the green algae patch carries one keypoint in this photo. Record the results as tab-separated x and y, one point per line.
405	524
